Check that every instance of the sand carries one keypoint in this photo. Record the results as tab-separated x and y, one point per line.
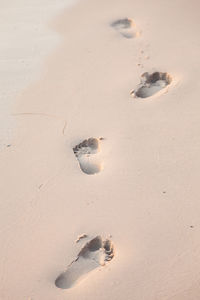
144	195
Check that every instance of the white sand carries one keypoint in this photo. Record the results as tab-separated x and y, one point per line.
146	196
25	42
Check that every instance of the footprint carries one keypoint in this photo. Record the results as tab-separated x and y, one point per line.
95	253
87	153
151	84
126	27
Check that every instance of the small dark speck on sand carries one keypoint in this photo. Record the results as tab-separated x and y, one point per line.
9	145
164	192
191	226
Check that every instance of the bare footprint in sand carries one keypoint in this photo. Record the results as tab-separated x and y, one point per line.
126	27
152	84
87	153
93	255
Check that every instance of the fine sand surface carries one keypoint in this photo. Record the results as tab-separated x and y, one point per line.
25	42
100	181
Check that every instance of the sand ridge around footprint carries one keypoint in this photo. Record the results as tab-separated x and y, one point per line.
97	252
152	84
126	27
88	155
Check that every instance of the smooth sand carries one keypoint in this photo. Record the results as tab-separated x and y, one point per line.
147	195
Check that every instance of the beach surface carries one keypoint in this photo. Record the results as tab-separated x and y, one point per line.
89	150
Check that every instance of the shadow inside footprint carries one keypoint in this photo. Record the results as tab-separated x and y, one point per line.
152	83
126	27
94	254
87	155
